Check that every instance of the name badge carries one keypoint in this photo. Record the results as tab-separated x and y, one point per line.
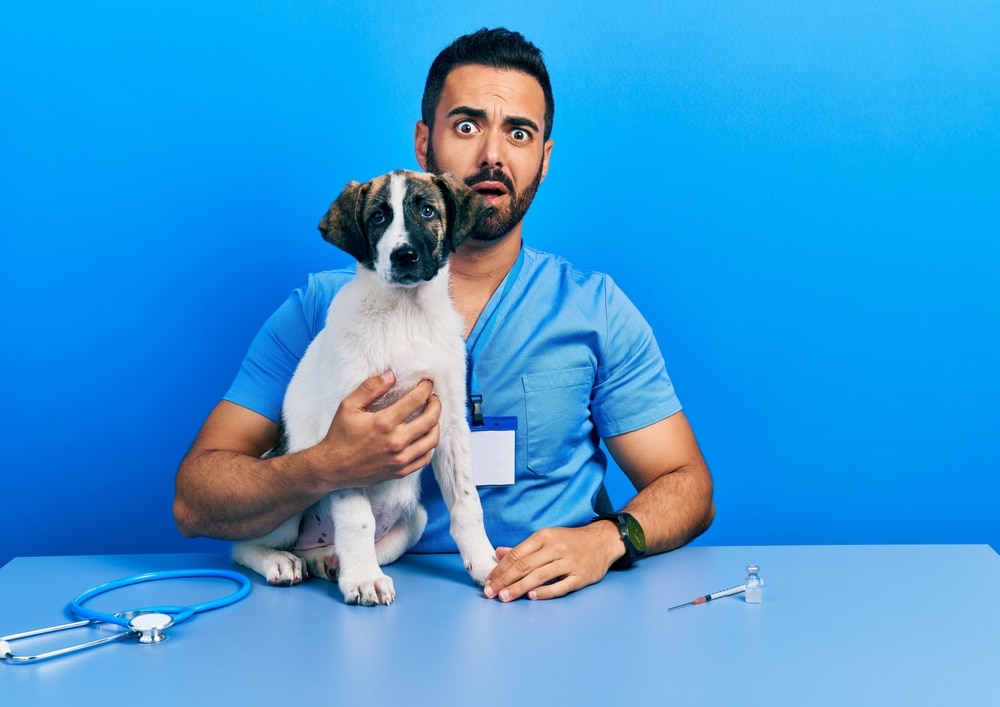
493	451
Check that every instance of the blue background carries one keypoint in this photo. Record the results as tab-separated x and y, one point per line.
801	197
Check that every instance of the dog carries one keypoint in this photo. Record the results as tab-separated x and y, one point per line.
394	314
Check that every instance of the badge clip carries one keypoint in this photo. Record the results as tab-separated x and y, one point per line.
477	410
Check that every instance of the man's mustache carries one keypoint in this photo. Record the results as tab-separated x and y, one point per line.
490	175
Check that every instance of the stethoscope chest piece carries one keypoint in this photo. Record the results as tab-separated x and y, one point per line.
149	626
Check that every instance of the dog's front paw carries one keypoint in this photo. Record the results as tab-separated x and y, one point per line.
480	566
368	592
283	569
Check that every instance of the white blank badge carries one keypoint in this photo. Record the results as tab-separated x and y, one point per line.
493	451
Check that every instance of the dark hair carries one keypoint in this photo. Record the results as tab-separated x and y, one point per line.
499	48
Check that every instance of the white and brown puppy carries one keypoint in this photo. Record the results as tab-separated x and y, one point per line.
394	315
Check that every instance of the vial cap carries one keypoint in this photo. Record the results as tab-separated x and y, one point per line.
752	569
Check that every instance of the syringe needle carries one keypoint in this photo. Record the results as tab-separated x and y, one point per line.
713	595
699	600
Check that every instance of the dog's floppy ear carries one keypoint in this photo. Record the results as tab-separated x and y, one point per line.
467	209
342	225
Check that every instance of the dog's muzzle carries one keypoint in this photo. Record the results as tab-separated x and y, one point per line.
405	256
408	267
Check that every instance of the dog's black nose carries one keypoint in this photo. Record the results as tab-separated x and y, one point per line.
405	255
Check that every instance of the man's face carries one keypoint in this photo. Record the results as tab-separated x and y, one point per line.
488	130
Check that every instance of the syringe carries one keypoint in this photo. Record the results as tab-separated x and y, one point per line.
713	595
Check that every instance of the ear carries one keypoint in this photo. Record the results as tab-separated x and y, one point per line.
467	209
342	224
421	137
546	156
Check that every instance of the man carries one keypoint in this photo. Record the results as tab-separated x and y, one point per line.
563	351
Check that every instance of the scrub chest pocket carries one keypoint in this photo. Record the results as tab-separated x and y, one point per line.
557	416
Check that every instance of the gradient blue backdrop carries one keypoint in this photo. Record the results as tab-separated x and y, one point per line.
802	198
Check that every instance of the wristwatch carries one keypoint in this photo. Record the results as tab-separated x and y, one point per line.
632	536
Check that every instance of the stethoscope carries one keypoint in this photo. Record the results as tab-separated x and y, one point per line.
147	624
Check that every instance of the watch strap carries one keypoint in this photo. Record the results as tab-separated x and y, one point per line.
632	553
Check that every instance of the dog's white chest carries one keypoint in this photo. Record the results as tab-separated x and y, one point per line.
414	333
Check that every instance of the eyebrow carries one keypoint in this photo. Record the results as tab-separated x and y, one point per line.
512	120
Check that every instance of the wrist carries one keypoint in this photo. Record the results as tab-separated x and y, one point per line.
631	538
308	470
609	540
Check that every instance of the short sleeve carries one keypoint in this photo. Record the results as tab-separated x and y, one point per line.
278	347
632	388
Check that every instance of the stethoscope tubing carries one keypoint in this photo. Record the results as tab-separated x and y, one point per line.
178	613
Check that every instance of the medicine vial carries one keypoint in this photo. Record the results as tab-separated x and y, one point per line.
755	585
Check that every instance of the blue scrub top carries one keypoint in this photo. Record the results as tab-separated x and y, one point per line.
569	356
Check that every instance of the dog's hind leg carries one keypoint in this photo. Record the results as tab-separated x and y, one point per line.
401	537
266	556
321	561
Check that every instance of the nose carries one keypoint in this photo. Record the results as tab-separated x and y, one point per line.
491	149
404	255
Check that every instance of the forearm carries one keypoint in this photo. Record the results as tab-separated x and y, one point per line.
233	496
663	461
675	508
226	489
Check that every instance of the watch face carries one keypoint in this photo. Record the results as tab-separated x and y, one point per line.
635	534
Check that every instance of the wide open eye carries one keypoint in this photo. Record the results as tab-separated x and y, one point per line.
377	218
427	212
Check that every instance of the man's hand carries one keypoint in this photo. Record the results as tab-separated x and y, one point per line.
554	562
370	447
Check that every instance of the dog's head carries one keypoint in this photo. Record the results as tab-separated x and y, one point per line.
404	225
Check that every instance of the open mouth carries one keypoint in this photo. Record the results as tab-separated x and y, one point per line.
491	191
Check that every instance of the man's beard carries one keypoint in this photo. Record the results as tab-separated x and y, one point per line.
502	220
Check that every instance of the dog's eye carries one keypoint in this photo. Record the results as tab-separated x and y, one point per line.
427	212
377	218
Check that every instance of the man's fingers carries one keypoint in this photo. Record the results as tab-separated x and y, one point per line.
415	418
514	565
370	390
417	415
416	400
533	581
553	590
549	563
